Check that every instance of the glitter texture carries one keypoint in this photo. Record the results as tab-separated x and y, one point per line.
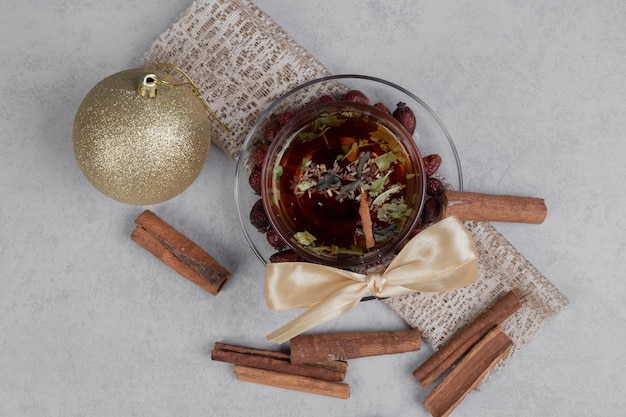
141	150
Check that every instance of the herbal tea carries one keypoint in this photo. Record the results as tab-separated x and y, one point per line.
343	183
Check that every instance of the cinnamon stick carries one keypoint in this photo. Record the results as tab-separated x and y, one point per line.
277	361
494	208
366	220
179	252
465	338
293	382
468	373
349	345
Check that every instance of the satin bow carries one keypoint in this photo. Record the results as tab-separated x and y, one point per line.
440	258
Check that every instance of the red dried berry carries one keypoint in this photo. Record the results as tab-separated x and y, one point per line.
274	239
258	154
431	211
405	116
419	227
434	186
255	180
284	118
271	129
286	255
431	163
356	95
382	107
258	217
326	98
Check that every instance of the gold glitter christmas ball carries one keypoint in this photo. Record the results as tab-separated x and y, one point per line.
141	136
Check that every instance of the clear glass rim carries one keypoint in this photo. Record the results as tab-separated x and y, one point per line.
250	137
413	155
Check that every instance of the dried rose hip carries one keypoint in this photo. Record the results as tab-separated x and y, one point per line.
271	129
255	179
434	186
431	163
286	255
258	217
258	154
382	107
274	239
326	98
419	227
405	116
284	118
431	211
356	95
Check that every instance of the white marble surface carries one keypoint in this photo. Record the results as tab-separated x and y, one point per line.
534	95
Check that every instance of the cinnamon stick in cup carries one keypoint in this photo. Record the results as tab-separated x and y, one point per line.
350	345
178	252
493	208
464	339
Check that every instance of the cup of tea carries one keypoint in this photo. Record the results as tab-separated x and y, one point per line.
343	183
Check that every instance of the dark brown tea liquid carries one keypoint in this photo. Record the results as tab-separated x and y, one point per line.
330	163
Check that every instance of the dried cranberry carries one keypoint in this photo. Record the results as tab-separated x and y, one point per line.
258	217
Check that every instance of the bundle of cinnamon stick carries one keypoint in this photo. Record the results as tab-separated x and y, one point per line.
475	350
317	363
274	369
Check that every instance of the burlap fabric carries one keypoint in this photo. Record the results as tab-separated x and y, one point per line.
501	268
242	61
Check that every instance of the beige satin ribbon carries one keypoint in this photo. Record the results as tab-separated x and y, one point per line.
440	258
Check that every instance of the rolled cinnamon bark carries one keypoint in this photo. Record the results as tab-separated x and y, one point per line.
292	382
462	341
493	208
179	252
350	345
455	386
277	361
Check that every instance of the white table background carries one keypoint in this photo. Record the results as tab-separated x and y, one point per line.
534	95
